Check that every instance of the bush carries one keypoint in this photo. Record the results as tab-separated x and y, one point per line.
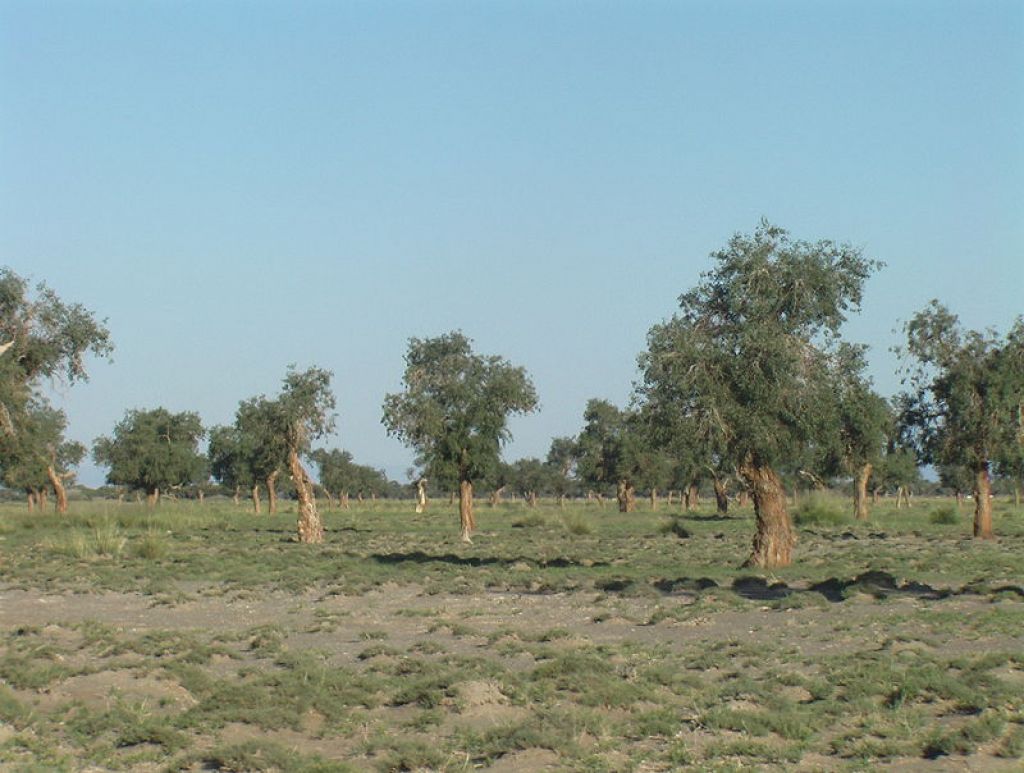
818	510
576	524
947	515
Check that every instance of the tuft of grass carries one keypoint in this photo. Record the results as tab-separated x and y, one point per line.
947	515
529	521
575	523
675	526
818	510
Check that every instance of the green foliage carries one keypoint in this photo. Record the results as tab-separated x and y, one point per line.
44	340
748	365
966	391
153	450
455	408
339	473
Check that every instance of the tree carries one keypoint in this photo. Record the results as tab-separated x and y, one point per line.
609	451
966	397
748	360
154	451
263	435
306	413
39	456
561	459
230	462
865	424
454	412
42	338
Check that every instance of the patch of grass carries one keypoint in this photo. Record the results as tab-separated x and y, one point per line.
529	521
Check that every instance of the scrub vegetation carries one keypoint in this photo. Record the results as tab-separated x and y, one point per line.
203	637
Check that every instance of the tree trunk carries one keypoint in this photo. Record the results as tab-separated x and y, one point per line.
31	501
774	538
860	492
983	503
692	496
310	527
743	499
237	496
41	499
900	495
451	495
256	498
669	498
654	499
561	500
271	484
600	500
344	500
626	496
874	495
359	496
721	498
421	495
58	489
531	499
201	495
959	498
467	520
152	497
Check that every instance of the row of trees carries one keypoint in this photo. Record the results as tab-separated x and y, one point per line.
749	381
749	385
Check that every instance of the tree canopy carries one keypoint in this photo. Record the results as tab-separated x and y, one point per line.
153	450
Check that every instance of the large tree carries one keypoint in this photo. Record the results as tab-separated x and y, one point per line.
262	434
749	358
154	451
454	412
965	399
230	462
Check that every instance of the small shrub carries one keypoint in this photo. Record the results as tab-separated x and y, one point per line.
575	523
818	510
946	515
675	526
529	521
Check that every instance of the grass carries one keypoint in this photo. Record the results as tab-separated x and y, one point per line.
604	641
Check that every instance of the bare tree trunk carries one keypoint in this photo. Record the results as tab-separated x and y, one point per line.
600	500
901	495
691	497
344	500
860	492
744	498
41	499
654	499
271	484
467	520
625	494
58	489
495	499
330	499
421	495
721	497
774	538
531	499
874	495
256	498
310	527
359	497
983	503
669	498
237	497
152	497
201	497
31	501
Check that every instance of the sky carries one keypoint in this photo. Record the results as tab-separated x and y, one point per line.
237	187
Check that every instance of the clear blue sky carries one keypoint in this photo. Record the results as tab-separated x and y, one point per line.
238	186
